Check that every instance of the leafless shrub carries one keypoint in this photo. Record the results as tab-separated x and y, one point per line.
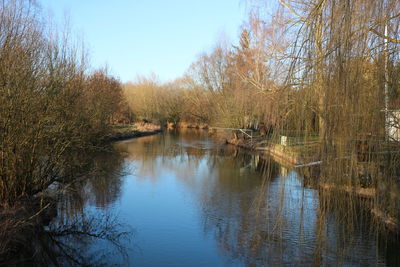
49	105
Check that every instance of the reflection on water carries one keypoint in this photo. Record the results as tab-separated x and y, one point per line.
193	202
84	230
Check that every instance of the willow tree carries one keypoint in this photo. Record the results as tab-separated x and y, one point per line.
341	61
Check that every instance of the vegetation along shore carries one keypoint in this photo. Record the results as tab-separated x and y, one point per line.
314	85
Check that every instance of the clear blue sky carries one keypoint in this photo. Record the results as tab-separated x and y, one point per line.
143	36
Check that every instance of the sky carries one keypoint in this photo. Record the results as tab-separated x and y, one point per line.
140	37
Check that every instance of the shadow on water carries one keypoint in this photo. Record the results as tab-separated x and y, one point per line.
83	229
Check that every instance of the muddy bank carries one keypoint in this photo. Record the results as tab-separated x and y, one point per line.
119	136
138	129
188	125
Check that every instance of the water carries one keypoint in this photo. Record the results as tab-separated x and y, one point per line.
181	199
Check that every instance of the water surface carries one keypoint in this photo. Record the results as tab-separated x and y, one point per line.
188	201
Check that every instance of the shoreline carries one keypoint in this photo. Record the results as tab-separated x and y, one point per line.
284	155
279	153
135	130
129	135
33	213
287	157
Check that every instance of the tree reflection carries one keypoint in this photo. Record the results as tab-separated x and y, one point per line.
101	183
83	232
273	219
260	212
90	240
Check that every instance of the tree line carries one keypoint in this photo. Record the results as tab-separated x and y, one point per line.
51	103
290	61
213	91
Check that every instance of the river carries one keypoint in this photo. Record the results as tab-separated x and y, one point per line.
182	199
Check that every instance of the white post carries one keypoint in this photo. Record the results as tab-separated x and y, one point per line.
283	140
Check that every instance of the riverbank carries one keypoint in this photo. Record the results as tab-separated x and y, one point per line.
29	215
123	132
188	125
292	156
306	157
